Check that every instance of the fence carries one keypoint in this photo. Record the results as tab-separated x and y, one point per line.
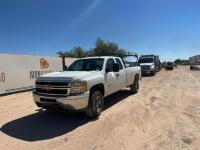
18	72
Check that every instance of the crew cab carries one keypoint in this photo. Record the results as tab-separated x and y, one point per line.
85	83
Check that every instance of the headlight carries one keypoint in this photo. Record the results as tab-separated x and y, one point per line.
78	87
152	66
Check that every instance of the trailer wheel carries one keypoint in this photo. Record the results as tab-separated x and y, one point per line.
95	106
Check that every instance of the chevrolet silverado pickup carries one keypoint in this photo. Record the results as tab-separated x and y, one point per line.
85	84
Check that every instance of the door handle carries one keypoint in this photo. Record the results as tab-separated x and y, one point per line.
117	75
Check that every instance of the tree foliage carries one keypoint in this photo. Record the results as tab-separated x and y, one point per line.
181	62
102	48
77	52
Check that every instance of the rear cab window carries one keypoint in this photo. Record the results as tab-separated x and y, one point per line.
120	63
109	64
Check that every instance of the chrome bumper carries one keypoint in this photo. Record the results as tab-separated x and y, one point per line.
76	102
148	71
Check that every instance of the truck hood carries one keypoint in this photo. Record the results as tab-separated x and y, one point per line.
67	75
146	64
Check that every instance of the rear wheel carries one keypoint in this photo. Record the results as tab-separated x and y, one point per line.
135	86
95	106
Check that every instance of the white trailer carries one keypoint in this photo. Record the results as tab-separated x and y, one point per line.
18	72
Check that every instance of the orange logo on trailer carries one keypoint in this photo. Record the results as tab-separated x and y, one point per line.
44	63
2	77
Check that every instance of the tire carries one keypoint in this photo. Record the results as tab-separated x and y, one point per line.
153	73
95	105
38	104
135	86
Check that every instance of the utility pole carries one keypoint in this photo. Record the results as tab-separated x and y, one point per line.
63	63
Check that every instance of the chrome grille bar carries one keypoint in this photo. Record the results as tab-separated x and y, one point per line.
52	87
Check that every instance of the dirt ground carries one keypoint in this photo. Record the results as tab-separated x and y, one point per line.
165	114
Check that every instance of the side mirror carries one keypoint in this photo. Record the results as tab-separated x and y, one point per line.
115	67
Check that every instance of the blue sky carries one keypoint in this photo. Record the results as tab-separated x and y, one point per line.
169	28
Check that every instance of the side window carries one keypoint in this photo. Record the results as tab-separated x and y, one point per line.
109	64
120	63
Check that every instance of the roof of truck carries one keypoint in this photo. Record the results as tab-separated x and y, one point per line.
101	57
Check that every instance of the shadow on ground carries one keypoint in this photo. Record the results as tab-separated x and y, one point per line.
47	124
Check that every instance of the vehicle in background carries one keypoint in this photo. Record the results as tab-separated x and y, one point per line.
195	67
85	83
194	62
150	64
169	66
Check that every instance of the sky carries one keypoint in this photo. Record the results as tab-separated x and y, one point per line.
168	28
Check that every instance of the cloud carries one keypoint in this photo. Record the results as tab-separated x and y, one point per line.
85	13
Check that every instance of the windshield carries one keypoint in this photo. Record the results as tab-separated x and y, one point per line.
87	65
145	60
130	61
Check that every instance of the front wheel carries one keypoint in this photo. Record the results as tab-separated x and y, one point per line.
153	73
135	86
95	106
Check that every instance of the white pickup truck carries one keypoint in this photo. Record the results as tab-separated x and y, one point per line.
85	83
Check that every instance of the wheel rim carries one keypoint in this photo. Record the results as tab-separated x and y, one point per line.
97	104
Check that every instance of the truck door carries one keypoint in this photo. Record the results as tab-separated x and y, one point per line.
111	78
122	75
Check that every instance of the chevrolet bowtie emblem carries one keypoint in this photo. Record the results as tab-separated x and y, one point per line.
47	87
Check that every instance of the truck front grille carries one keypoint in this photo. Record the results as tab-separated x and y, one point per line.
145	67
52	89
65	84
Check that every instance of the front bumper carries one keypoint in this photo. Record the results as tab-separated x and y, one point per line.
148	71
76	102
